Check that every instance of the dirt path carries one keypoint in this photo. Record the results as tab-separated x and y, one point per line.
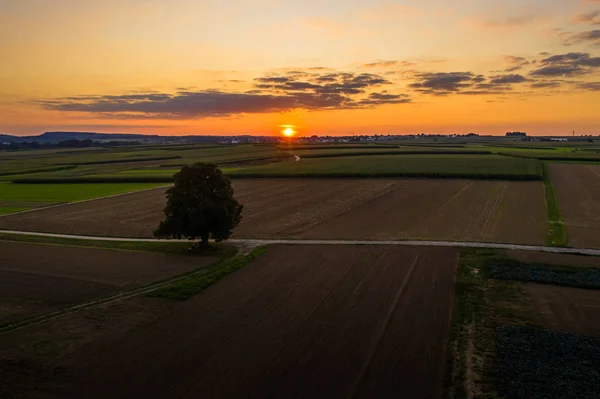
251	243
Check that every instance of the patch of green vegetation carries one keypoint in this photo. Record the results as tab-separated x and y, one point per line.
5	210
510	269
539	364
480	305
66	192
191	286
557	233
166	246
426	166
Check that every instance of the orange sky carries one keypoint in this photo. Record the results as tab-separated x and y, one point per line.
334	67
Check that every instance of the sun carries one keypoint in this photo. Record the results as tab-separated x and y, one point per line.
288	131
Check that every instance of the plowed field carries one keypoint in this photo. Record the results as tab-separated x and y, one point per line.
512	212
38	278
297	322
567	309
578	189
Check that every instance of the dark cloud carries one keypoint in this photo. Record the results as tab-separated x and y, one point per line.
592	37
272	93
507	79
569	64
442	83
590	86
466	83
545	84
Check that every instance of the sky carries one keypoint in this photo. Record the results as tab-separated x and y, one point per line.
328	67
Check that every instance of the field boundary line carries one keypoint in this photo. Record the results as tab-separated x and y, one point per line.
250	243
82	201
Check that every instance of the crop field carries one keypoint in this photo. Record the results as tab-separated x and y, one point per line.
296	322
36	278
566	309
578	189
443	166
18	197
376	209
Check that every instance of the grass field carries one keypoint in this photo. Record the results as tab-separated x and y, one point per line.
19	197
443	166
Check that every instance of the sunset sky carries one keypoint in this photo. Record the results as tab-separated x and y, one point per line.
326	66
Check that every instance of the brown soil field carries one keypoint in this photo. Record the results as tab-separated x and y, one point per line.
460	210
555	259
574	310
330	209
578	189
37	278
299	322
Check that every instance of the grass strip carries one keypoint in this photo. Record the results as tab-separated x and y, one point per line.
191	286
177	248
579	277
122	160
557	233
536	364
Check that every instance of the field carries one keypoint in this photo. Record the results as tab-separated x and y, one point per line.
37	278
298	321
377	209
578	189
567	309
466	166
18	197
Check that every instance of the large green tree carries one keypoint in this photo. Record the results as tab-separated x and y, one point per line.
200	205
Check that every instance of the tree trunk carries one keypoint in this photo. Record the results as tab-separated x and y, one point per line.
204	241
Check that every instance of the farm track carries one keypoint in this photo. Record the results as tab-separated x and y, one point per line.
251	243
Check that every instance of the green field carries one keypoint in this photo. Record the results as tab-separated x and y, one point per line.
19	197
467	166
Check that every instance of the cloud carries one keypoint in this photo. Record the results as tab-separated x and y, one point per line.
272	93
507	79
590	86
515	63
388	64
592	18
590	36
545	84
569	64
466	83
441	83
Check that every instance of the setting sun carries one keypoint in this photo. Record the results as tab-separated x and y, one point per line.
288	131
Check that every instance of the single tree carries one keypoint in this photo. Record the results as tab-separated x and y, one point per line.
200	204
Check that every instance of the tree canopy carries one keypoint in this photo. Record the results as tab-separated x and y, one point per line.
200	205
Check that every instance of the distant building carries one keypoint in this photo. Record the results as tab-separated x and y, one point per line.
516	134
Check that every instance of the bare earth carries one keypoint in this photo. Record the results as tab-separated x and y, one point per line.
37	278
578	189
464	210
567	309
302	322
555	259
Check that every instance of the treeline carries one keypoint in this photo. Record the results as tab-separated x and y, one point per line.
72	143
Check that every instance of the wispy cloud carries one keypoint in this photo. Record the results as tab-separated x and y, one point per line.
591	18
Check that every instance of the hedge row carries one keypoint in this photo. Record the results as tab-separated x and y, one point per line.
237	175
396	152
111	161
508	269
